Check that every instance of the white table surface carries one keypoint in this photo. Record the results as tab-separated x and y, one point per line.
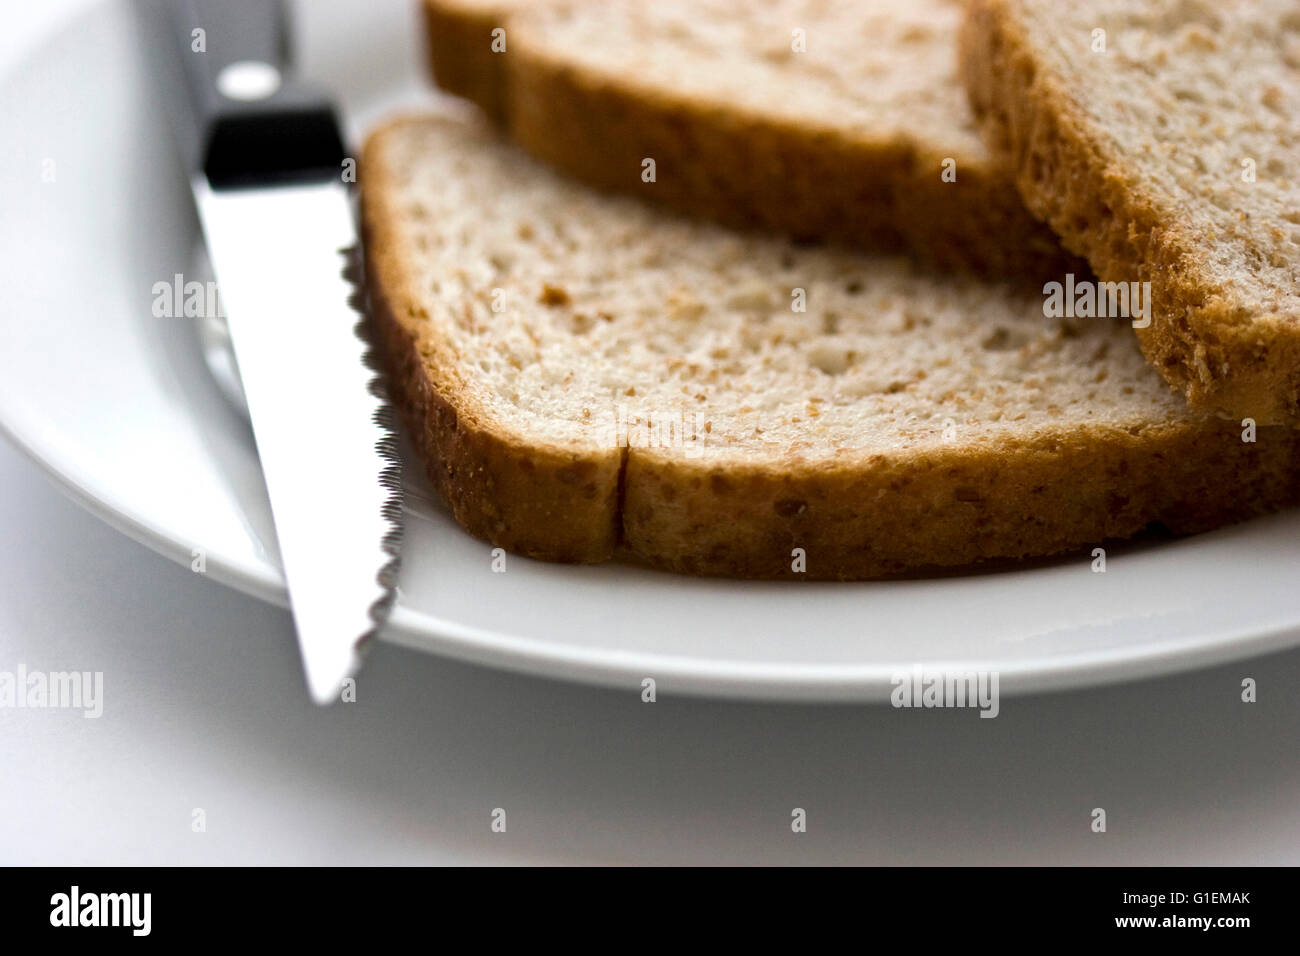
205	708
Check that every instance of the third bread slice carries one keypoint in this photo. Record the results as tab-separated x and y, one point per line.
819	119
1160	139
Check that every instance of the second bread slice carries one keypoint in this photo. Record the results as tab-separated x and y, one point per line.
818	119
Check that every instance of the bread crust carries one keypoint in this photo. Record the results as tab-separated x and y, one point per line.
879	515
1225	361
744	170
460	55
888	515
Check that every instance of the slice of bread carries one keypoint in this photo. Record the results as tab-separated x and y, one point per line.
1160	139
818	119
582	373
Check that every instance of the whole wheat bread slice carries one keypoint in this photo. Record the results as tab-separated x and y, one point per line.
1160	139
583	374
847	140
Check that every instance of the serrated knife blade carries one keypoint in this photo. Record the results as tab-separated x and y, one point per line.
266	167
322	431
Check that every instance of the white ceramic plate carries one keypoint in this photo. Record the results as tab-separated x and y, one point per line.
119	407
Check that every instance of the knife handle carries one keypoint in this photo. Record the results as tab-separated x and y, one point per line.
243	118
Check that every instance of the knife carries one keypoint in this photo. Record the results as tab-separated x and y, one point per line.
266	162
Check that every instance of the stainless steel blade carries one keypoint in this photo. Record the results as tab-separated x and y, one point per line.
323	430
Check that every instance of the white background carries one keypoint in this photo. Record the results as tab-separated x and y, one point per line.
205	708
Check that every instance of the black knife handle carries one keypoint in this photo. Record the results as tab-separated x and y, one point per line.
245	118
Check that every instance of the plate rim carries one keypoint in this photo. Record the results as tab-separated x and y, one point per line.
767	681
